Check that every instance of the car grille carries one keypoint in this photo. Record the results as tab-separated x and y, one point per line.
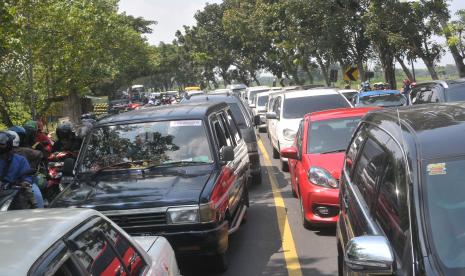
133	223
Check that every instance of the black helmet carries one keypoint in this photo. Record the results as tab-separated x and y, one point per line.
65	131
29	136
6	142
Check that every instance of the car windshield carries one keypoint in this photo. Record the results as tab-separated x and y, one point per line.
445	204
383	100
146	144
295	108
262	100
252	94
330	135
456	93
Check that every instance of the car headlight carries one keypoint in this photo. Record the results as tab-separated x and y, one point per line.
191	214
6	205
322	177
289	134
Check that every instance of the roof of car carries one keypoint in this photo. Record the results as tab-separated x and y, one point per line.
214	98
339	113
26	235
166	112
378	93
310	93
258	88
437	129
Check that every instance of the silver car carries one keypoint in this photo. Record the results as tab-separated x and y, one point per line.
77	242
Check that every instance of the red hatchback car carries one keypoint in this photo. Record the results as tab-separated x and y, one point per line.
316	159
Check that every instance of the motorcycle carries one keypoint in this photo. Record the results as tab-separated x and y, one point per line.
54	183
12	196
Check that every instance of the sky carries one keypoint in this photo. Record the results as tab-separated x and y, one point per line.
172	15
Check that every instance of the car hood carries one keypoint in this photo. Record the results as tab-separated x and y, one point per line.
132	191
331	162
146	242
292	124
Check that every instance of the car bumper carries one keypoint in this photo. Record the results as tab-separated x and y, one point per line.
204	242
321	205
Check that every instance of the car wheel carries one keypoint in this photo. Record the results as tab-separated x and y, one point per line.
305	223
275	153
220	262
284	166
257	178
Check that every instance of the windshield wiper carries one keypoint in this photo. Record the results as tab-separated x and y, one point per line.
333	151
177	164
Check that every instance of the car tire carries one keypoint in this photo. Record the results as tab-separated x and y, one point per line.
284	166
306	224
220	262
257	178
275	153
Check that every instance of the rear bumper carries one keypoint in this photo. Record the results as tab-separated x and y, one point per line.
206	242
321	205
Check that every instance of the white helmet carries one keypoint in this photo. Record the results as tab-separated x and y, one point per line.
16	139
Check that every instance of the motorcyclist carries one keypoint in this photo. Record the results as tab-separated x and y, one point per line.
14	169
67	140
407	87
365	86
33	141
34	157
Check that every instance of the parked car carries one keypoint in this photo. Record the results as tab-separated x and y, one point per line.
78	242
288	110
315	162
402	193
245	123
259	111
252	91
381	98
178	171
438	92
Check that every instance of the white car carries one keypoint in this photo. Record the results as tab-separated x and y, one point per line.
77	242
252	91
288	109
259	112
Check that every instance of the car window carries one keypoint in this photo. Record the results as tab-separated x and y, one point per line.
357	143
368	169
277	106
232	124
299	137
239	116
436	95
456	92
422	95
391	208
96	255
132	260
224	124
262	100
55	262
294	108
219	133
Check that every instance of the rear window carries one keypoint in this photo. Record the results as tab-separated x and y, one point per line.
456	93
331	135
383	100
295	108
262	100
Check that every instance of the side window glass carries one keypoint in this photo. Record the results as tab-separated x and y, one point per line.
219	133
391	209
55	262
354	148
226	131
436	94
132	260
299	137
278	107
95	253
370	165
424	95
234	131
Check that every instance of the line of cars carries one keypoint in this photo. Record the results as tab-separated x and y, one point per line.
391	179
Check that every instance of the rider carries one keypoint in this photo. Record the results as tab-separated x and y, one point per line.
34	138
34	158
67	140
407	87
14	168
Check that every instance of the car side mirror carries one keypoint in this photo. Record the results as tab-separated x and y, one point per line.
271	115
370	255
227	154
68	167
290	152
257	120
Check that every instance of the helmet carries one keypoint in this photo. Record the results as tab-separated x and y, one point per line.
21	133
32	125
65	131
6	142
15	137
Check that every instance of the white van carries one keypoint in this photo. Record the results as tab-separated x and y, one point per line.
290	107
252	91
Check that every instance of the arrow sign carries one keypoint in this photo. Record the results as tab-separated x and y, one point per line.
351	74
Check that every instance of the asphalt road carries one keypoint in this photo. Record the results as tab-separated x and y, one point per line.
257	248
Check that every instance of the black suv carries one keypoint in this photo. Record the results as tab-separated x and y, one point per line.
178	171
402	193
438	92
244	121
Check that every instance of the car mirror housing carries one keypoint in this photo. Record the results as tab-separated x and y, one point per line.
290	152
370	255
68	167
227	154
271	115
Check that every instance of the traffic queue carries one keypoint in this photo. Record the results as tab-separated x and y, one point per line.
170	182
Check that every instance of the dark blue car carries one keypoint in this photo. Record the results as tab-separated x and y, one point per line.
382	98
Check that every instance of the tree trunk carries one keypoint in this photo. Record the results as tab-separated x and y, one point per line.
324	70
361	70
256	79
431	69
6	119
309	73
390	74
405	68
454	51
